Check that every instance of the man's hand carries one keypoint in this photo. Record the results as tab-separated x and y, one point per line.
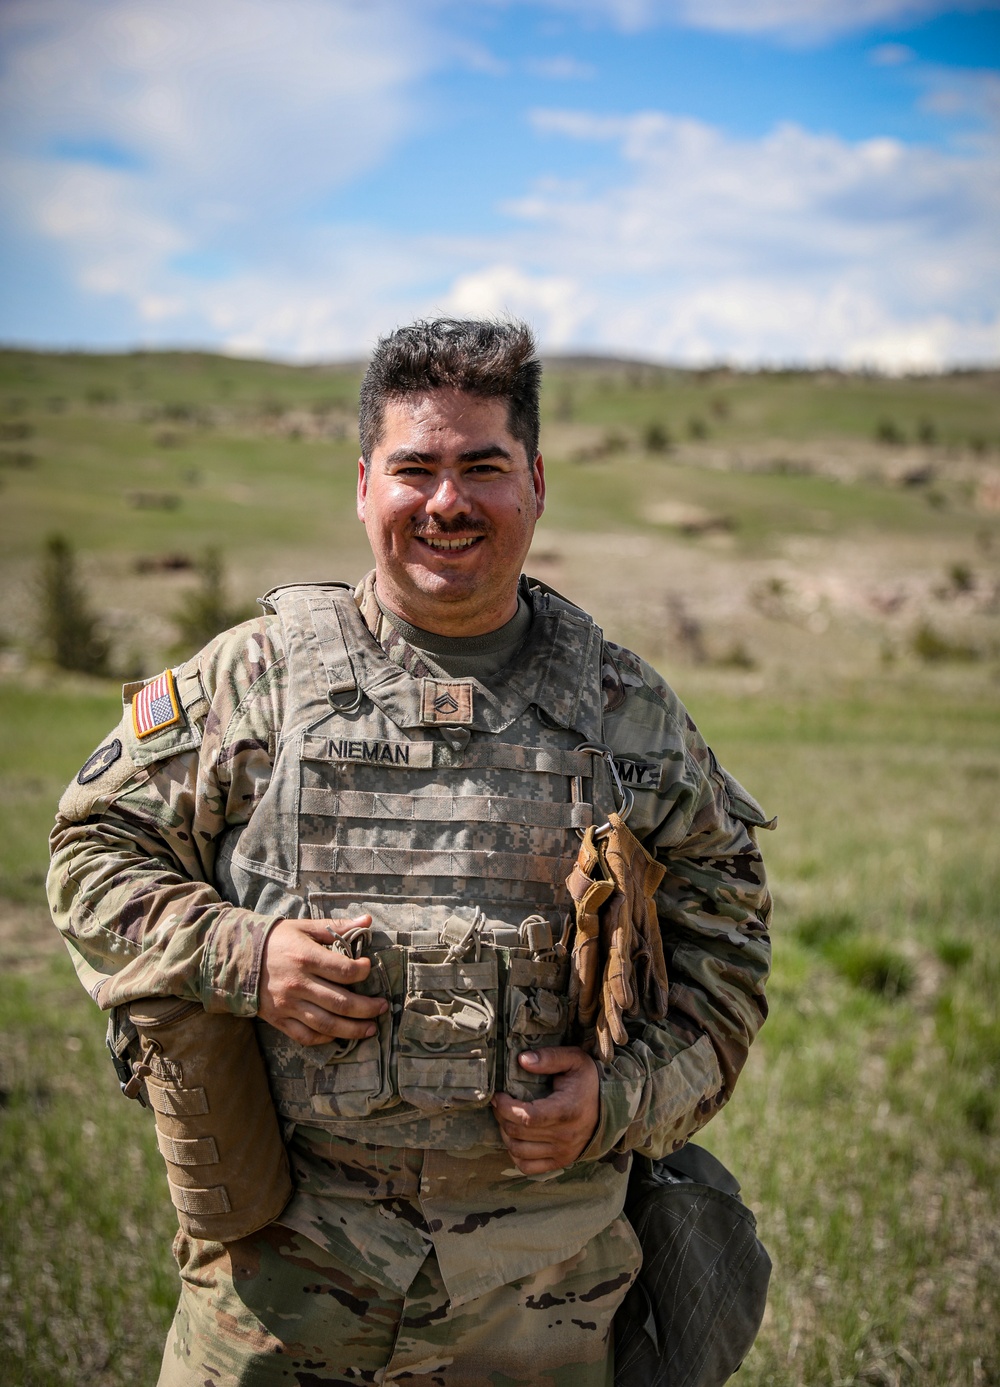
305	988
550	1133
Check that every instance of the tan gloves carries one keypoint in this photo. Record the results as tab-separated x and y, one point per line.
618	969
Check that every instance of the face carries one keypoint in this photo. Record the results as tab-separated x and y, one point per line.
450	503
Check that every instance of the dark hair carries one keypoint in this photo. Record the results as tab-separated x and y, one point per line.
494	359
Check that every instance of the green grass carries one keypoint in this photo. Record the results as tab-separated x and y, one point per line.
48	734
866	1128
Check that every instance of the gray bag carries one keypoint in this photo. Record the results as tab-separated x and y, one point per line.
694	1311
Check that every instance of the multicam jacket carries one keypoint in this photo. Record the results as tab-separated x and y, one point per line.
164	882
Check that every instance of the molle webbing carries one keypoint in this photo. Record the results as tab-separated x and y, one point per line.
376	807
367	804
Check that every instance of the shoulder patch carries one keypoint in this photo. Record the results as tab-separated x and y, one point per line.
101	778
102	760
155	707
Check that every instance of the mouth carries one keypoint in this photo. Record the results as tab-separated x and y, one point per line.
444	544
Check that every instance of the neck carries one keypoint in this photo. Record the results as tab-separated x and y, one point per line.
443	619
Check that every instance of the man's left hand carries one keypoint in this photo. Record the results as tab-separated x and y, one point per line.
550	1133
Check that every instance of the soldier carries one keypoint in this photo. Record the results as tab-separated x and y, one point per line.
353	819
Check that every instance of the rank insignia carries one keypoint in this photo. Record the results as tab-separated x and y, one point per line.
446	701
102	758
155	706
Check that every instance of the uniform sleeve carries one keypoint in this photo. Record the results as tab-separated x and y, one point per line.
133	849
714	910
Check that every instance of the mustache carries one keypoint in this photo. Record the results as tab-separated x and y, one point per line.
441	529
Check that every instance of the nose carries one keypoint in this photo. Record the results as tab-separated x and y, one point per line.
448	499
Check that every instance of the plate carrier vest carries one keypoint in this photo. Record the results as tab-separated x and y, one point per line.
446	809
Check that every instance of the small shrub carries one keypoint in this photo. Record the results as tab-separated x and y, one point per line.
888	431
873	966
697	428
980	1110
926	433
15	430
953	953
737	656
205	611
962	578
657	439
934	648
70	631
822	930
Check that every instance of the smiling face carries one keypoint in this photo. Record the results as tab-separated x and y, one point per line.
449	502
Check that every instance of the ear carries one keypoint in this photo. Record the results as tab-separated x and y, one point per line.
538	478
362	489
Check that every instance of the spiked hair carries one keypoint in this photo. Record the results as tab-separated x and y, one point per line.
493	359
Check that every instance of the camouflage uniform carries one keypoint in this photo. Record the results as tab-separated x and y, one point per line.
158	859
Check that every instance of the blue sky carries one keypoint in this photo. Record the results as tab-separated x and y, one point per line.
686	180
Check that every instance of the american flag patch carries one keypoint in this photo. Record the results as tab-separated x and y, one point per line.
155	706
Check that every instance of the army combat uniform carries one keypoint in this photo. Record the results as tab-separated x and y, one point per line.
313	763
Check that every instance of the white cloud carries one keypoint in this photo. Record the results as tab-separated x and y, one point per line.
561	68
891	55
802	20
791	247
135	132
553	303
176	157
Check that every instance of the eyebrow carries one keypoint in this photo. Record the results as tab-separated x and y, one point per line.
491	450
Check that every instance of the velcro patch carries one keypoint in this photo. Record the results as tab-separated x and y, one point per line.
103	758
446	701
155	706
639	775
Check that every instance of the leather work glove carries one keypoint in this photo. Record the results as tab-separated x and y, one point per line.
586	965
637	875
618	968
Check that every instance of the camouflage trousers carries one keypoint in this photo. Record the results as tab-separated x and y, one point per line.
275	1308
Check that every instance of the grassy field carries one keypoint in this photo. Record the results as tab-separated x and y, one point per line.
828	604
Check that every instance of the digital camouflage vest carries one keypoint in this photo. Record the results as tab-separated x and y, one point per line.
447	810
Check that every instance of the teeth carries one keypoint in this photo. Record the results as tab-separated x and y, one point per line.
449	543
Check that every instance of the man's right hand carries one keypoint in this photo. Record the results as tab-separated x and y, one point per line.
305	988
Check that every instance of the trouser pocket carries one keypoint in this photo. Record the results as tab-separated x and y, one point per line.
537	1014
447	1032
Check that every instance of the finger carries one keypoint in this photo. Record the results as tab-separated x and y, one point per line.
329	1026
533	1150
551	1111
322	928
538	1167
553	1059
299	1031
513	1111
336	1001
